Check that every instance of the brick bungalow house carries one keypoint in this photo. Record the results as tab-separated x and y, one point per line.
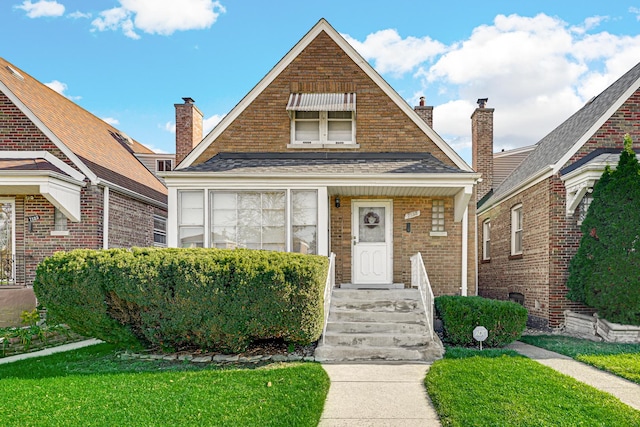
529	224
321	156
67	180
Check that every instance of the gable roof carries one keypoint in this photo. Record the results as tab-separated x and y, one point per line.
554	150
101	152
322	26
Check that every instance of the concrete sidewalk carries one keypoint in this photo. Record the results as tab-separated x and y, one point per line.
50	350
627	391
378	395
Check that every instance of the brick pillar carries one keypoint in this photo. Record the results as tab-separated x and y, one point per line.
424	111
482	146
188	128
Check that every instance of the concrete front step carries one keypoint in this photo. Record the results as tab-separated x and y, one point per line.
376	327
336	316
399	306
375	295
376	340
341	354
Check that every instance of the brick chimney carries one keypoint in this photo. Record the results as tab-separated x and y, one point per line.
482	146
426	112
188	128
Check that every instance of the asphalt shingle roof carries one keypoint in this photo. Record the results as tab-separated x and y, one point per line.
324	163
95	142
550	149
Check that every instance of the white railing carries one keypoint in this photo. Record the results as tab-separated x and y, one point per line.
420	280
328	288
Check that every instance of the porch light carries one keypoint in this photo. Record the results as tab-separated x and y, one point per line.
337	201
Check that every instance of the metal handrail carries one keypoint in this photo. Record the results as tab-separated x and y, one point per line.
420	279
328	287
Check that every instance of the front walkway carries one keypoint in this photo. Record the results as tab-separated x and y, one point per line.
50	350
378	395
628	392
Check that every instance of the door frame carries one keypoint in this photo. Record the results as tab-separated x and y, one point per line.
387	204
12	279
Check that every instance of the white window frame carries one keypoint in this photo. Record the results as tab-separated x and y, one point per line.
438	218
486	240
517	220
323	124
60	224
164	162
182	223
159	232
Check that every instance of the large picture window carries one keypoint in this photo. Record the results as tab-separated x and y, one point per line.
252	220
516	230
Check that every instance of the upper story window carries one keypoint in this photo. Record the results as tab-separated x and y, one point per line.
164	165
486	240
516	230
322	118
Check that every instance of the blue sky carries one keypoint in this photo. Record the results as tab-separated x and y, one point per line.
129	61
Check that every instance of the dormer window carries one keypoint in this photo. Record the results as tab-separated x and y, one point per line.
322	118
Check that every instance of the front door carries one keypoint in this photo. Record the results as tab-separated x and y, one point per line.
372	246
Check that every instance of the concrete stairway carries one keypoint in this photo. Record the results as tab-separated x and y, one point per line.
377	325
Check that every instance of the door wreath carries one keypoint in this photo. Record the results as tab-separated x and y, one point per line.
371	219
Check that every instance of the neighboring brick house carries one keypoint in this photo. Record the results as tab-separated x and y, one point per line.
67	180
529	224
322	156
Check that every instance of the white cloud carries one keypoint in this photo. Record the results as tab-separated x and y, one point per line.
635	11
169	127
79	15
392	54
42	8
61	88
111	121
162	17
211	122
536	72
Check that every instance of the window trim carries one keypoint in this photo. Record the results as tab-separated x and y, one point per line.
60	223
486	240
323	131
164	161
436	232
516	211
159	232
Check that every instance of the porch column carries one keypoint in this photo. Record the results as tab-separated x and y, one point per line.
465	241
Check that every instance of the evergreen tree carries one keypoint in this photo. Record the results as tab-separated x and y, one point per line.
605	272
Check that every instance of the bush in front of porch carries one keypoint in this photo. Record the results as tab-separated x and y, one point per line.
174	299
505	320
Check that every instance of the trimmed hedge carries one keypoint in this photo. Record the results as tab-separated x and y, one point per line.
212	299
505	320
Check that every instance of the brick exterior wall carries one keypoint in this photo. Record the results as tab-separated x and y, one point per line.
482	148
550	239
265	126
441	255
131	221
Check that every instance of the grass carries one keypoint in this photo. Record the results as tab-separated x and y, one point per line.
469	389
93	387
620	359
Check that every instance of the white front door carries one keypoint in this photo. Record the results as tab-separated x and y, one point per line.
372	246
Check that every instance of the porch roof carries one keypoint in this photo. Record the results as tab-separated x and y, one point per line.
324	163
57	182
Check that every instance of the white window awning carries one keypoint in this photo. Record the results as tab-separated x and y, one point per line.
322	102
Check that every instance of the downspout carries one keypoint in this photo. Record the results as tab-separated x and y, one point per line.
105	219
475	252
465	245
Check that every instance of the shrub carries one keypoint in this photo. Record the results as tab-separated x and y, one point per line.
180	298
605	272
505	320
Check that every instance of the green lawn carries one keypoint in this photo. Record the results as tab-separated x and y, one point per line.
469	389
620	359
93	387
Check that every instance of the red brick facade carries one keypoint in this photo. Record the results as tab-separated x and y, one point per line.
381	126
130	220
550	238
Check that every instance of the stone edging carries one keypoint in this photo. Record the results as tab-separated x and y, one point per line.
218	358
